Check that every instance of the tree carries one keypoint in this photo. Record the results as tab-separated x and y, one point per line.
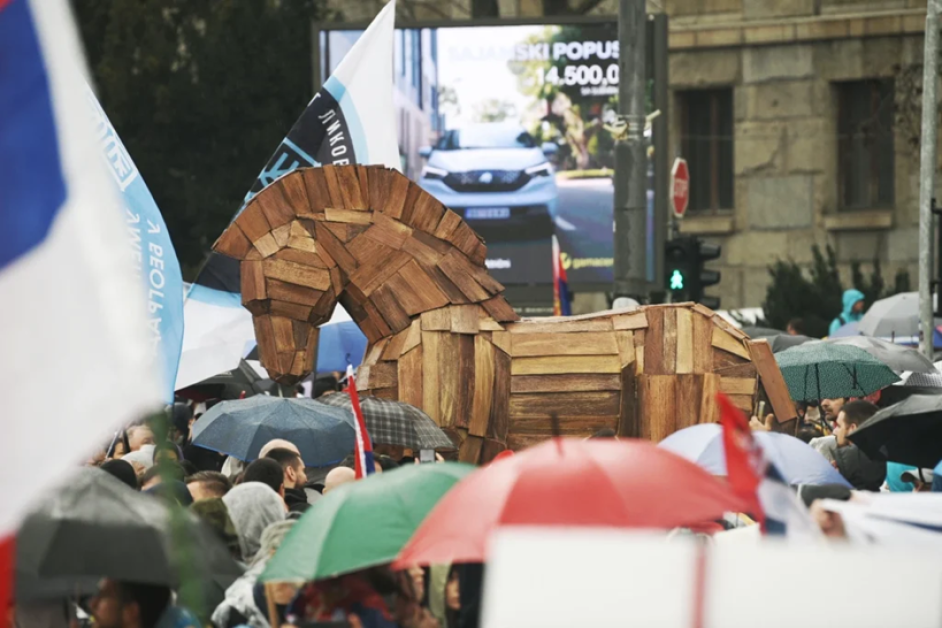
201	92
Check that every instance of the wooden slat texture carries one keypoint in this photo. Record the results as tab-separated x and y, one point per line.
284	334
629	420
252	281
281	235
458	269
449	378
626	346
387	303
709	410
738	385
324	307
500	309
387	231
233	243
436	320
726	363
290	310
413	336
499	422
301	257
375	351
555	365
337	280
375	271
654	358
418	247
536	326
564	404
490	449
685	346
489	324
302	244
579	425
265	335
379	186
743	402
639	350
725	341
702	343
384	375
412	197
670	340
470	450
416	290
449	222
348	216
590	343
657	406
266	245
396	197
503	341
393	348
333	249
772	381
315	184
333	187
291	293
689	391
276	209
426	213
464	319
483	376
635	320
575	382
298	274
431	379
363	177
349	182
252	221
410	377
294	192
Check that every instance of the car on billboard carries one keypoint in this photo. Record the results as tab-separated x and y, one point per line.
494	175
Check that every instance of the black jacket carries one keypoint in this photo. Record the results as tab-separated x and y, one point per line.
296	499
862	472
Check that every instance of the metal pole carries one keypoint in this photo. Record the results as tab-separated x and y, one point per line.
630	158
927	175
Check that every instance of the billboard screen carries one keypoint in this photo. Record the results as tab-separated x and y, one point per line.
509	126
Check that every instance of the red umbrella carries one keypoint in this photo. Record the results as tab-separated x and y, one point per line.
568	482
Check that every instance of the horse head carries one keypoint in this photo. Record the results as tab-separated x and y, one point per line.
365	237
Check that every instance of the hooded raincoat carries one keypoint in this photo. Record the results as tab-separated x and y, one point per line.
847	315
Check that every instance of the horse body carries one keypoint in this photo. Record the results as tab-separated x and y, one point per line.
442	337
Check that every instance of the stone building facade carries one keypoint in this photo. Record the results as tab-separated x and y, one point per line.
799	118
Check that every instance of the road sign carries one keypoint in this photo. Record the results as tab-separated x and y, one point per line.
680	187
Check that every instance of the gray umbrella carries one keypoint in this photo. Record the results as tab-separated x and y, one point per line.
893	317
778	340
897	357
395	422
95	526
240	428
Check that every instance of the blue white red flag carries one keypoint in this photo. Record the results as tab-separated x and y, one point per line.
73	323
757	481
362	446
351	120
561	306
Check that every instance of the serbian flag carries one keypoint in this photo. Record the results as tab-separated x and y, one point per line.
757	481
76	361
560	283
362	446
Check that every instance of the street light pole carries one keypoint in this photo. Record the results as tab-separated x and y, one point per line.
927	159
630	156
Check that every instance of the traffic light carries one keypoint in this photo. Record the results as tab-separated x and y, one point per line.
707	252
686	278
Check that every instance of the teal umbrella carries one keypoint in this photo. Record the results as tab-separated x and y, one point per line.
819	370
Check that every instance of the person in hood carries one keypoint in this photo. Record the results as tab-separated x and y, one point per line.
294	478
253	506
853	310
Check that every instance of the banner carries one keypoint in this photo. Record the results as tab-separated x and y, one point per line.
152	255
350	120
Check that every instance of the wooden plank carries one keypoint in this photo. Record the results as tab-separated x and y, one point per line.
252	221
709	410
294	192
564	404
374	316
689	390
743	402
305	258
449	379
449	222
393	348
284	334
558	365
702	342
350	192
267	246
418	248
685	348
655	360
576	382
298	274
426	213
500	309
466	380
290	310
281	235
387	231
470	450
415	290
379	187
464	238
464	320
634	320
536	326
726	363
363	175
483	376
772	381
738	385
722	339
388	305
333	251
396	197
437	320
333	186
490	450
589	343
323	308
349	216
315	184
626	347
410	377
489	324
273	204
302	244
742	369
657	406
640	335
252	282
310	347
629	421
499	421
670	341
578	425
503	341
375	351
412	197
290	293
376	271
384	375
265	336
431	378
337	280
413	337
233	243
459	270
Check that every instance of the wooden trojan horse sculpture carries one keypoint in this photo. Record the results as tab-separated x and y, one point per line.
441	337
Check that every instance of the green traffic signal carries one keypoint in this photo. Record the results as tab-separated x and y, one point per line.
677	280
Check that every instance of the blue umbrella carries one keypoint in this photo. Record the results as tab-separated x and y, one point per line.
323	434
797	461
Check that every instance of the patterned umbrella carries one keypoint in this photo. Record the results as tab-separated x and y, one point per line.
819	370
395	422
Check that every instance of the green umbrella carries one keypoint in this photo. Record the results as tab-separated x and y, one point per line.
819	370
362	523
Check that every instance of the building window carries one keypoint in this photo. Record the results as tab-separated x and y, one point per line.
865	144
706	140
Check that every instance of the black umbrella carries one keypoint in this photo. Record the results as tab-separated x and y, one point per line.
778	340
394	422
761	332
909	432
97	527
240	428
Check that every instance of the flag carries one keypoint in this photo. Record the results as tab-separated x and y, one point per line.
757	481
351	120
561	305
72	326
152	254
362	446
